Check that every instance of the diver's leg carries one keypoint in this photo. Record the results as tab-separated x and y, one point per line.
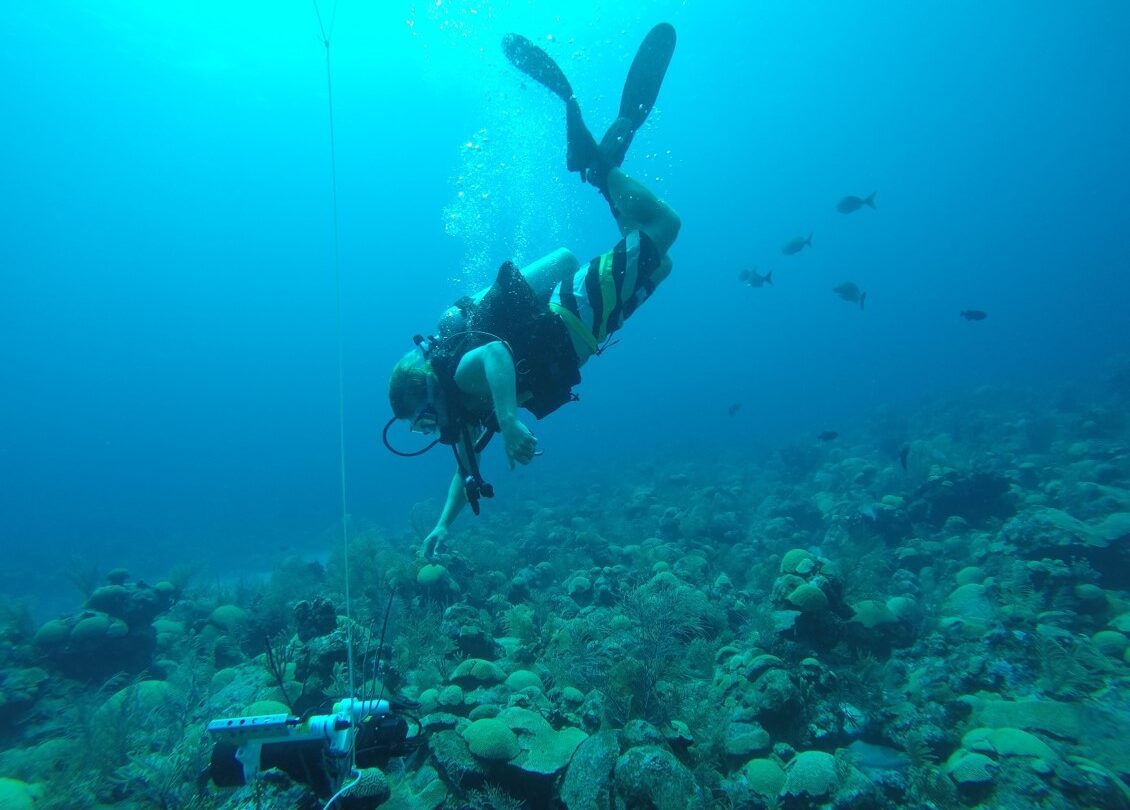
601	296
595	160
637	208
545	273
541	274
582	152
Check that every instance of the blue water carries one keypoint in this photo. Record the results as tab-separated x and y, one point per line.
168	336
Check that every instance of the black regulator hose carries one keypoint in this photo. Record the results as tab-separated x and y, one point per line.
394	451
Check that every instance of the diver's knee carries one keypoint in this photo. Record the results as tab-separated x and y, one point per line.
558	264
566	260
544	273
664	228
675	223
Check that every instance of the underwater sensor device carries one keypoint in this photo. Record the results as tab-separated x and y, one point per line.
314	750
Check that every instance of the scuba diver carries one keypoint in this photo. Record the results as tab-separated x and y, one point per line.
522	341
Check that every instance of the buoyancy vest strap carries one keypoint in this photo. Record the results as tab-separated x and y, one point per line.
608	296
576	325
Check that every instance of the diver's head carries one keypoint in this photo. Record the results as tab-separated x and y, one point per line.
412	392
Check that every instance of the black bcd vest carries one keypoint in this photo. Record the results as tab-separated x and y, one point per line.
545	361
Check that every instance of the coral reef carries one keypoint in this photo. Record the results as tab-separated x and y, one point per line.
829	627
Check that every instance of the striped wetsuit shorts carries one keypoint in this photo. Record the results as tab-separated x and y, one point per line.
596	300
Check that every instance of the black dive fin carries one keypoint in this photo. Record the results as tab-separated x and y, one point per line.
583	155
645	76
537	64
641	89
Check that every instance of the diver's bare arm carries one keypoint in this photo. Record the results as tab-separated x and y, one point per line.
451	508
488	371
456	500
502	380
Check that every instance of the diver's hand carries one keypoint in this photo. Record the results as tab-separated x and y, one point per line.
521	444
436	538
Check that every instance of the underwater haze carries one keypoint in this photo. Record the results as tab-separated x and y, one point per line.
169	333
177	298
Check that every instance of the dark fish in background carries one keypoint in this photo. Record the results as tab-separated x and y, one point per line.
753	279
851	203
796	245
903	453
828	435
733	409
849	291
974	314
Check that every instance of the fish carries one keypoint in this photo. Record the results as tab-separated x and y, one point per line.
974	314
828	435
733	409
849	291
903	453
851	203
796	245
753	279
